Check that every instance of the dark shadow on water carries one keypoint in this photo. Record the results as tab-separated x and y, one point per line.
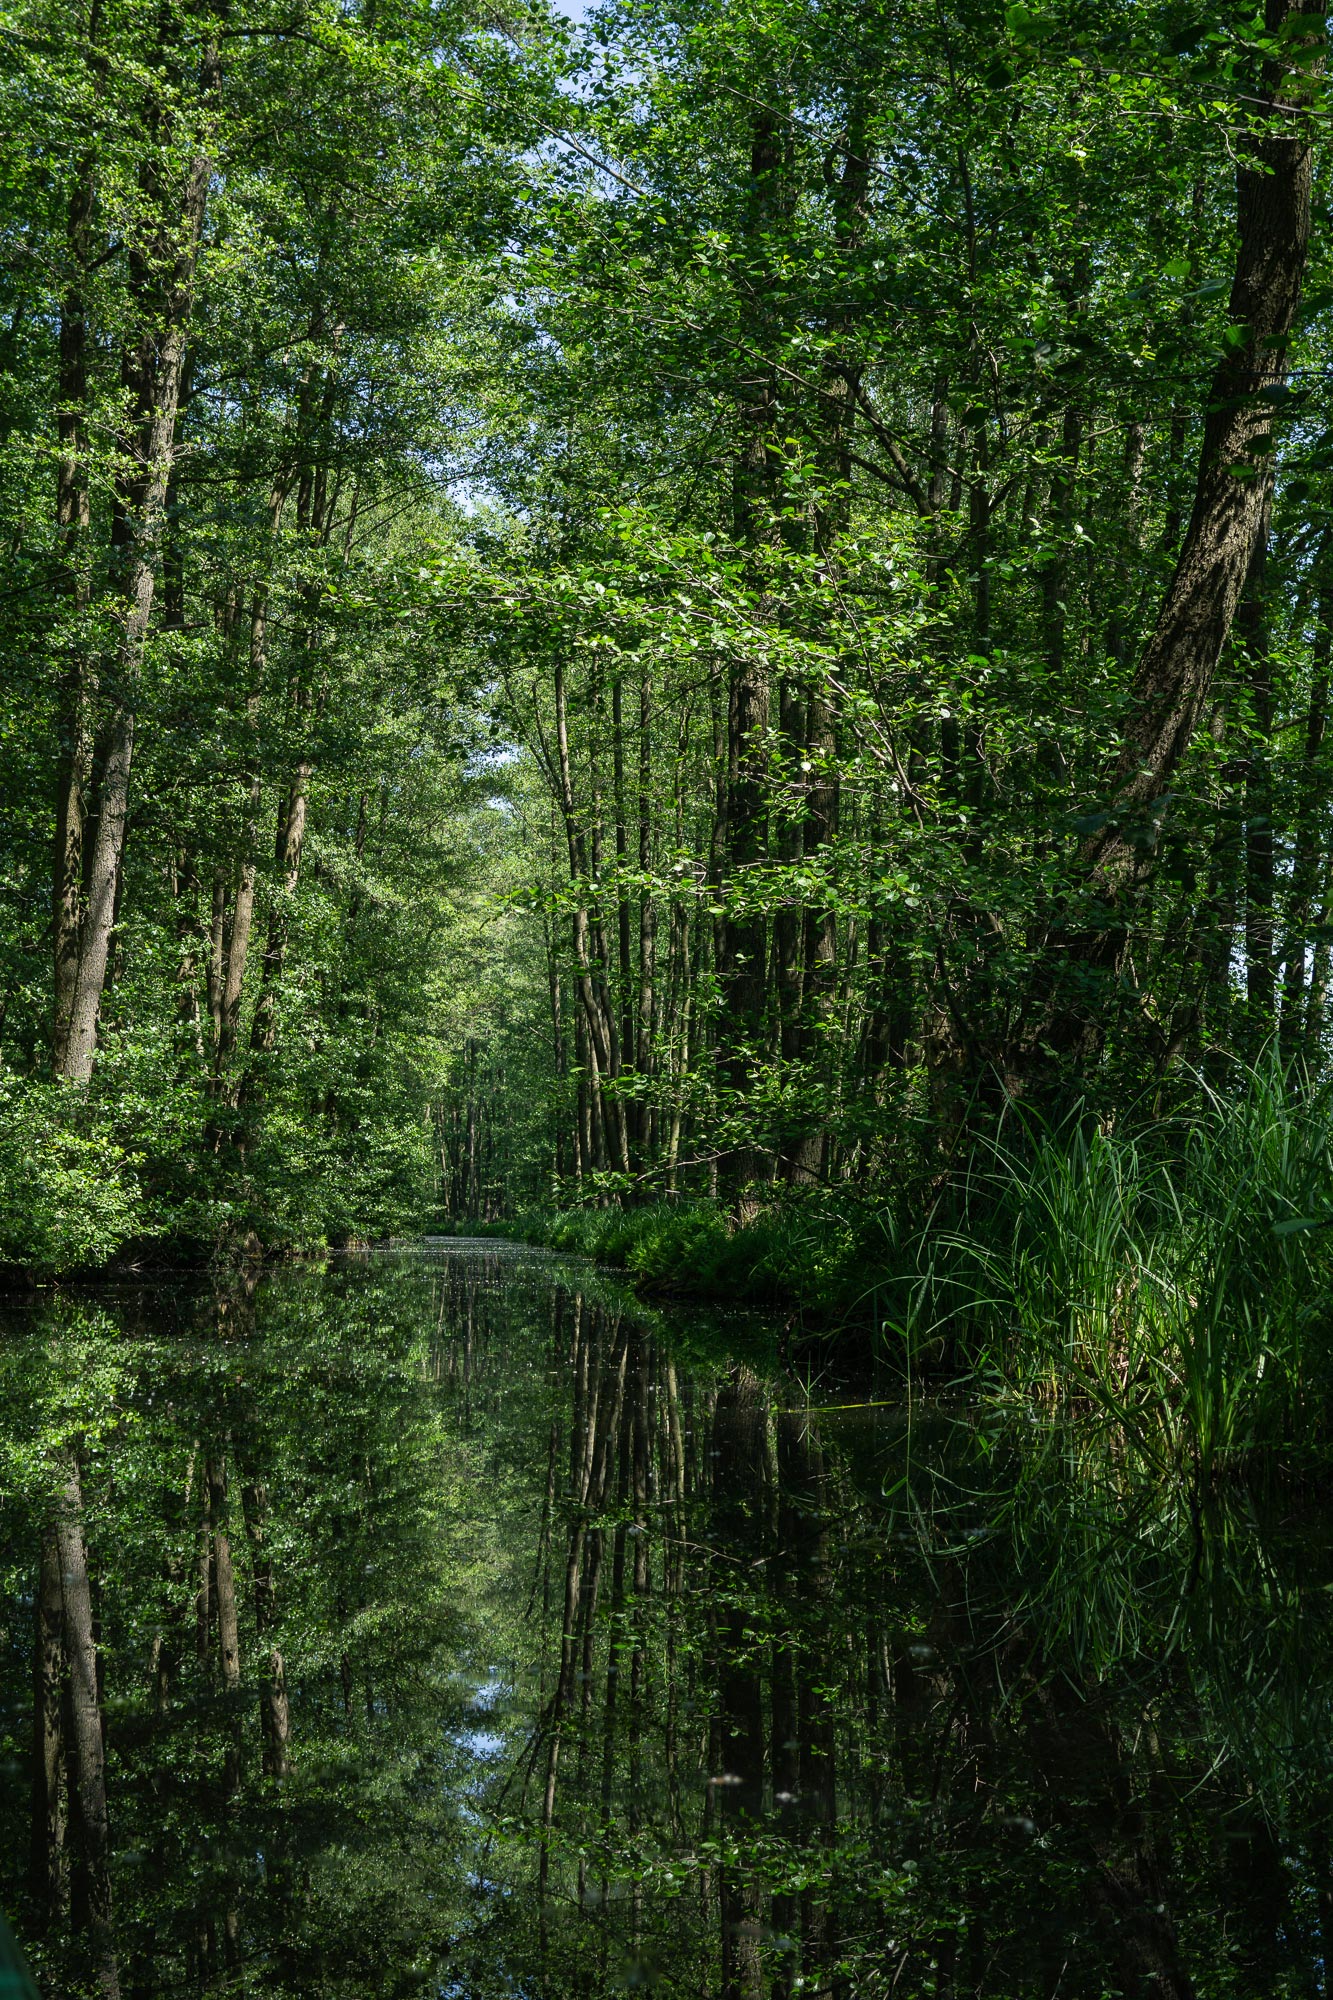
446	1621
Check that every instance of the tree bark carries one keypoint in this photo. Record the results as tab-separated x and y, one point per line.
1311	797
741	843
72	523
288	849
740	1471
164	274
87	1755
47	1866
1175	673
274	1714
598	1012
1252	628
229	1648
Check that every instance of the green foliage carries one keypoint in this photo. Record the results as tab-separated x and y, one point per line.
1177	1280
70	1195
1173	1279
694	1247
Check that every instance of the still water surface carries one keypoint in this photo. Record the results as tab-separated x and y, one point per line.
465	1627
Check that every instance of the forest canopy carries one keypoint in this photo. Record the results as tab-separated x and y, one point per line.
710	603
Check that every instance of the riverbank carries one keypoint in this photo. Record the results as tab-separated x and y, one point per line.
1174	1281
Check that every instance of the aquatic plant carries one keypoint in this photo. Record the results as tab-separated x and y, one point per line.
1171	1276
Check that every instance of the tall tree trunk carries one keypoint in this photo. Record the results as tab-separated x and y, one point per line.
740	1462
1253	633
814	995
243	903
645	1060
229	1646
274	1714
1175	674
624	924
87	1755
1311	798
741	835
162	276
47	1866
599	1015
288	849
73	517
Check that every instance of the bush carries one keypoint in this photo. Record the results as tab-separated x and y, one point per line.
69	1195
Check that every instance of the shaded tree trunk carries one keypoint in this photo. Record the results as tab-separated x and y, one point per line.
87	1755
47	1865
1175	673
163	273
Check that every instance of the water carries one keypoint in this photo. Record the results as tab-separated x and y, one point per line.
466	1628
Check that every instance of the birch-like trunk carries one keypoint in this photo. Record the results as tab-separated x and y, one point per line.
153	369
86	1749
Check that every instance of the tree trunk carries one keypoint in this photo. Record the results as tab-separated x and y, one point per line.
72	523
1252	630
274	1713
288	848
645	1060
153	369
87	1756
229	1649
741	834
1311	797
740	1463
1175	674
47	1866
598	1012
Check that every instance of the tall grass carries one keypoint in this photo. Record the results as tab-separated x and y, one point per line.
1172	1278
1177	1279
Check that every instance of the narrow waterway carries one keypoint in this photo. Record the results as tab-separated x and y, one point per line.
453	1624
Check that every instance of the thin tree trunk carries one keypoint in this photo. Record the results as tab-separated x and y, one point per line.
47	1866
1252	630
598	1013
645	1054
72	523
1310	800
87	1755
274	1713
243	904
289	846
229	1650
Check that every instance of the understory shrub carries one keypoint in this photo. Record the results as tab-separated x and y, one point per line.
70	1196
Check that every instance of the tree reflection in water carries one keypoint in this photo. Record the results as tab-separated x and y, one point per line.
453	1623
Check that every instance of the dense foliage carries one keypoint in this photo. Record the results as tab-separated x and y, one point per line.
689	605
246	277
912	586
706	632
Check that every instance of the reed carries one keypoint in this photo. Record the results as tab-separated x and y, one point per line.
1170	1278
1175	1279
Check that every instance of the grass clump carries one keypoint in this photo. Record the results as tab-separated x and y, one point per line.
1177	1279
1174	1278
